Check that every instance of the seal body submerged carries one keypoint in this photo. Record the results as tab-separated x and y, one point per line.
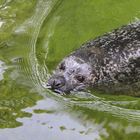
110	63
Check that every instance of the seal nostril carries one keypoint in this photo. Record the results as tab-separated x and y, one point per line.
57	83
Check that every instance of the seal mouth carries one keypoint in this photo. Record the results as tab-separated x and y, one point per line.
58	91
55	90
65	92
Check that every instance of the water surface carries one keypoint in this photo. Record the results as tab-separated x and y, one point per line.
35	36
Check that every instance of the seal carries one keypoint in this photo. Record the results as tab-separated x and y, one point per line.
109	63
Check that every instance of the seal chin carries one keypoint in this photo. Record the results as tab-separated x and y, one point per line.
80	88
59	91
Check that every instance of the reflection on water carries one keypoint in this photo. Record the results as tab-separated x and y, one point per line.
34	37
52	126
1	23
1	70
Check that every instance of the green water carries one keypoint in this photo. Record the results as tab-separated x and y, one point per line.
34	36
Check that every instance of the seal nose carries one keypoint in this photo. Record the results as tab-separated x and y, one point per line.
56	83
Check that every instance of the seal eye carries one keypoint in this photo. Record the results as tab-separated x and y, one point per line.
62	66
80	78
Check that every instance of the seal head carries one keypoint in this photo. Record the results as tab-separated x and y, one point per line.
72	74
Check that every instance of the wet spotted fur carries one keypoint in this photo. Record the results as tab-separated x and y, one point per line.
113	62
